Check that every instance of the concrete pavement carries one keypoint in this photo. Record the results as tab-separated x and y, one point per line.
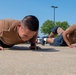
51	60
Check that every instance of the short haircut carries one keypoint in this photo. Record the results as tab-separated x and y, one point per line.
31	22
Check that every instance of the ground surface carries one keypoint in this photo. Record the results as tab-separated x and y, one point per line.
51	60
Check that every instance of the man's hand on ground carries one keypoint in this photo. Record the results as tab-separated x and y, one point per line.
72	46
35	47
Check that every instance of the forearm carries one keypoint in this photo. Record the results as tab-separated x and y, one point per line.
33	40
33	44
66	39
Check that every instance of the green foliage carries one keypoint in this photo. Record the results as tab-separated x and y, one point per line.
48	25
64	25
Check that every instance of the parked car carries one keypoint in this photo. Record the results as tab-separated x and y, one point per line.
44	42
39	39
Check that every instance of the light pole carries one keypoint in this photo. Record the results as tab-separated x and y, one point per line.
54	12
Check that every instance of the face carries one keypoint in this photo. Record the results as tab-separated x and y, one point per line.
25	33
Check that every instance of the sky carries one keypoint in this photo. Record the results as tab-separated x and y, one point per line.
17	9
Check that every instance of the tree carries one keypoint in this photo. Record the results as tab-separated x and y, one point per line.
48	25
64	25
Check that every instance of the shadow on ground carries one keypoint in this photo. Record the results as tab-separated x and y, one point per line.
22	48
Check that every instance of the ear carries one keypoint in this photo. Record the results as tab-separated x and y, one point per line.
19	25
